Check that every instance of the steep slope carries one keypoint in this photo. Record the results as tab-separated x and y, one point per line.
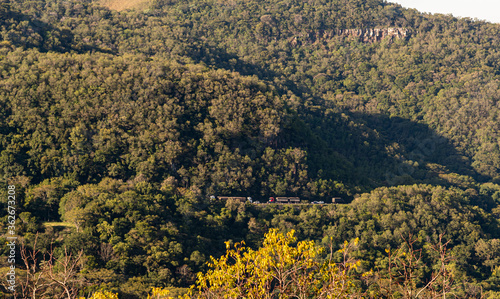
123	123
350	93
91	116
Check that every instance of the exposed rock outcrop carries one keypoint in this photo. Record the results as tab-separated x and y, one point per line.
375	34
364	35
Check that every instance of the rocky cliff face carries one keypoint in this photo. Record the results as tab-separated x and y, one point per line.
374	35
363	35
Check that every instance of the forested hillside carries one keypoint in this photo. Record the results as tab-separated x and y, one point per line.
117	127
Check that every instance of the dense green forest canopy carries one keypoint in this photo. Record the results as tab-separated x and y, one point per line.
402	109
122	124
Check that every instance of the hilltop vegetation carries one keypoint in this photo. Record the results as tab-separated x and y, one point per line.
402	110
124	123
125	4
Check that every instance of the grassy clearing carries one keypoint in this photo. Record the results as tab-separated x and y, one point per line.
120	5
59	224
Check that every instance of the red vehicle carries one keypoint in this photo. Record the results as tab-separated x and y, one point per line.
284	200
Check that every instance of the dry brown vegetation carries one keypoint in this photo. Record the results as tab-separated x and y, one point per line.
120	5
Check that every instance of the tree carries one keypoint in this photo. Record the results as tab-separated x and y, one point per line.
277	270
404	272
103	295
49	276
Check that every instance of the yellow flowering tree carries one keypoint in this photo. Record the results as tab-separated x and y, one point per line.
159	293
277	270
103	295
156	293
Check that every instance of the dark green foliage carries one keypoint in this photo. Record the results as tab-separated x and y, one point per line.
122	124
348	94
129	116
